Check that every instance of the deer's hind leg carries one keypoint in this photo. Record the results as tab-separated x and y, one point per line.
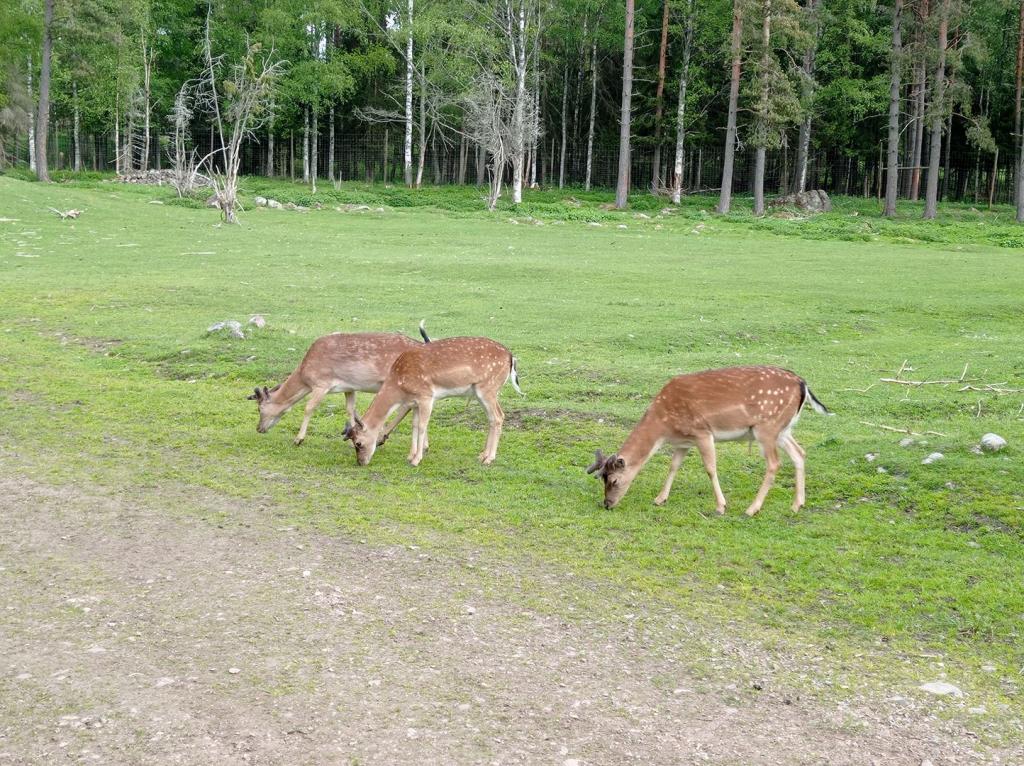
706	447
768	440
495	418
796	454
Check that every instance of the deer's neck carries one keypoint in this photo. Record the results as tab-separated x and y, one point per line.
642	443
290	391
387	400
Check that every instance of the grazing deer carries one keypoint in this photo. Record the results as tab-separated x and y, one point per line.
732	404
424	374
340	362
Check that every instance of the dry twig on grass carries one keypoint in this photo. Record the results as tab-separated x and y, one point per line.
65	214
915	383
901	430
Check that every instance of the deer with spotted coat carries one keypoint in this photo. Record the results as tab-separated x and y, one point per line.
477	367
697	410
336	363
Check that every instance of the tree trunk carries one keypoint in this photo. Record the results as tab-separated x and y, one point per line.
593	110
270	142
77	128
305	144
31	120
993	178
313	148
463	146
920	93
43	118
759	161
736	51
385	158
117	136
423	127
895	65
659	103
519	113
291	155
622	187
1017	117
330	144
938	101
949	145
684	80
804	139
561	156
147	79
409	71
435	160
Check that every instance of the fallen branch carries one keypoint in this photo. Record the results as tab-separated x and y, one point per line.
65	214
993	388
901	430
860	390
915	383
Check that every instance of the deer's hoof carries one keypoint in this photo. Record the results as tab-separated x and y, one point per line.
298	440
720	510
752	510
659	501
796	506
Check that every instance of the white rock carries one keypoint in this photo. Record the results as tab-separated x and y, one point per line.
258	320
933	458
234	671
470	610
571	762
165	681
992	442
273	203
260	201
871	457
941	688
907	441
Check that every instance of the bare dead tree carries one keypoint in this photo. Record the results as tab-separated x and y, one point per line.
239	104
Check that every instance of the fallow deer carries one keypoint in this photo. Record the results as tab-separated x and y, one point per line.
422	375
731	404
340	362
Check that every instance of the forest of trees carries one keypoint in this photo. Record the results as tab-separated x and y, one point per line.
908	99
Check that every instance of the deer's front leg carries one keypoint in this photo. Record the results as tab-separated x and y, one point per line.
422	415
402	412
314	401
677	460
706	446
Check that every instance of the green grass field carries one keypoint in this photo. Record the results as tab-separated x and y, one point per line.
107	375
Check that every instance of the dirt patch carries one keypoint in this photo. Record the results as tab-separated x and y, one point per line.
207	634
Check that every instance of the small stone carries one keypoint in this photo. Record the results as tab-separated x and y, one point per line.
933	458
273	203
941	688
571	762
306	573
258	321
470	610
881	469
926	762
165	681
992	442
234	671
979	710
260	201
871	457
907	441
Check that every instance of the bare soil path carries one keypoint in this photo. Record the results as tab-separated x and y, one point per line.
134	634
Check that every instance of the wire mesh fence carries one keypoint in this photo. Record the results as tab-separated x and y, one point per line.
374	154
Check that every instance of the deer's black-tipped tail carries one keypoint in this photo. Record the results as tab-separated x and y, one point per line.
810	398
423	331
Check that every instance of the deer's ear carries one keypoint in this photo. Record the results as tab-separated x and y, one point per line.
359	422
255	396
616	463
347	433
597	464
266	393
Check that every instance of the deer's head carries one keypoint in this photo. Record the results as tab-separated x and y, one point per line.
615	474
364	442
270	411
